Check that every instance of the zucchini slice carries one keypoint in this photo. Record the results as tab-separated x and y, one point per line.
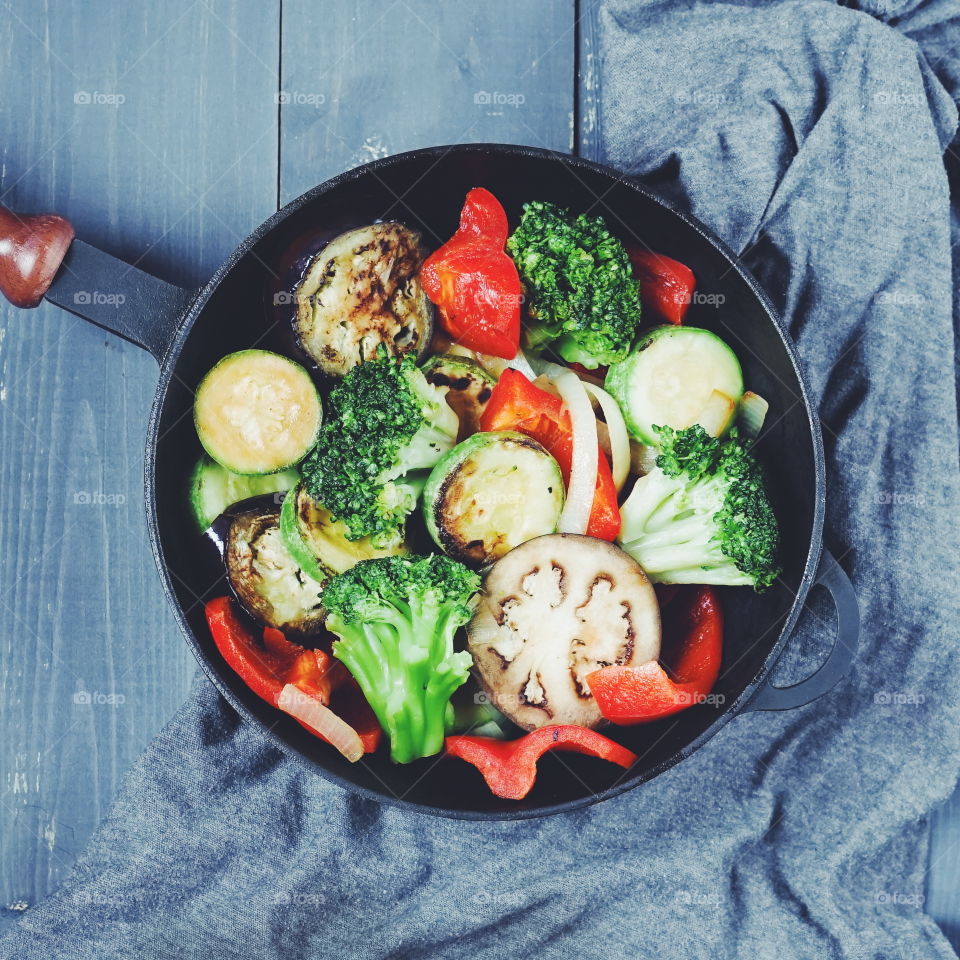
267	580
670	377
470	388
490	493
551	612
318	542
257	412
214	488
359	292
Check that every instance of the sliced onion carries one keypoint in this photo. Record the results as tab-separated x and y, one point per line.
493	365
716	415
521	364
753	411
619	440
322	720
583	468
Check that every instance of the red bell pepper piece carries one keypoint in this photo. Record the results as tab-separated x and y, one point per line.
474	283
666	285
510	766
518	404
693	632
267	667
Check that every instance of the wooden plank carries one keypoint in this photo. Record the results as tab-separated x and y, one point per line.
588	80
364	79
154	128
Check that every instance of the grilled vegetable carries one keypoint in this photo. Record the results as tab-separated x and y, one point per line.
670	377
469	388
361	292
518	404
582	296
266	579
213	488
666	285
274	667
318	542
552	611
472	281
257	412
693	648
387	427
491	493
703	515
510	769
396	619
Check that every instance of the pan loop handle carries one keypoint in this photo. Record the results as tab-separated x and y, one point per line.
830	575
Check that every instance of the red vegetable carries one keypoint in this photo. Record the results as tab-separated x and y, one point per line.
517	404
268	666
473	282
510	767
666	285
693	646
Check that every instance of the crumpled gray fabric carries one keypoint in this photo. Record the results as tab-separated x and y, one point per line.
811	137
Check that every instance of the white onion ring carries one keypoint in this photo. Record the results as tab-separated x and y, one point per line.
321	719
522	365
583	467
617	431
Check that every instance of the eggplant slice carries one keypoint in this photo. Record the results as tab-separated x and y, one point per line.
266	579
554	610
361	291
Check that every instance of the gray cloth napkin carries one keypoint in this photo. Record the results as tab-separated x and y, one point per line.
811	137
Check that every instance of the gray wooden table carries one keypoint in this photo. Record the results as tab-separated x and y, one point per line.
166	132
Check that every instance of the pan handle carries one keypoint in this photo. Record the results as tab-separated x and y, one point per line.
39	258
830	575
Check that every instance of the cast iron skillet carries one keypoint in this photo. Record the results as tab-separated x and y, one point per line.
189	330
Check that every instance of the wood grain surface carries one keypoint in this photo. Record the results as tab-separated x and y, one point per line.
166	133
154	129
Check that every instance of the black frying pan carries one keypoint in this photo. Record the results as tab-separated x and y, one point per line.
189	330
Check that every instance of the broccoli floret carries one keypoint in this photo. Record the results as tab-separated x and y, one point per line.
386	428
396	618
581	292
703	514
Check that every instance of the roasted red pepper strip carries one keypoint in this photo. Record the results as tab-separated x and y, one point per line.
518	404
266	668
693	646
666	285
473	282
510	767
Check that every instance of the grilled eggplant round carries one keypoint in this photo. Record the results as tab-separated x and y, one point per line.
267	580
552	611
360	292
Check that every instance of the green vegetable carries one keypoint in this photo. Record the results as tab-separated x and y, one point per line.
396	618
491	493
703	514
676	376
318	543
214	488
387	427
257	412
469	385
582	295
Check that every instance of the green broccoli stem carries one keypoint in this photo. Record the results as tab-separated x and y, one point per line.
407	670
